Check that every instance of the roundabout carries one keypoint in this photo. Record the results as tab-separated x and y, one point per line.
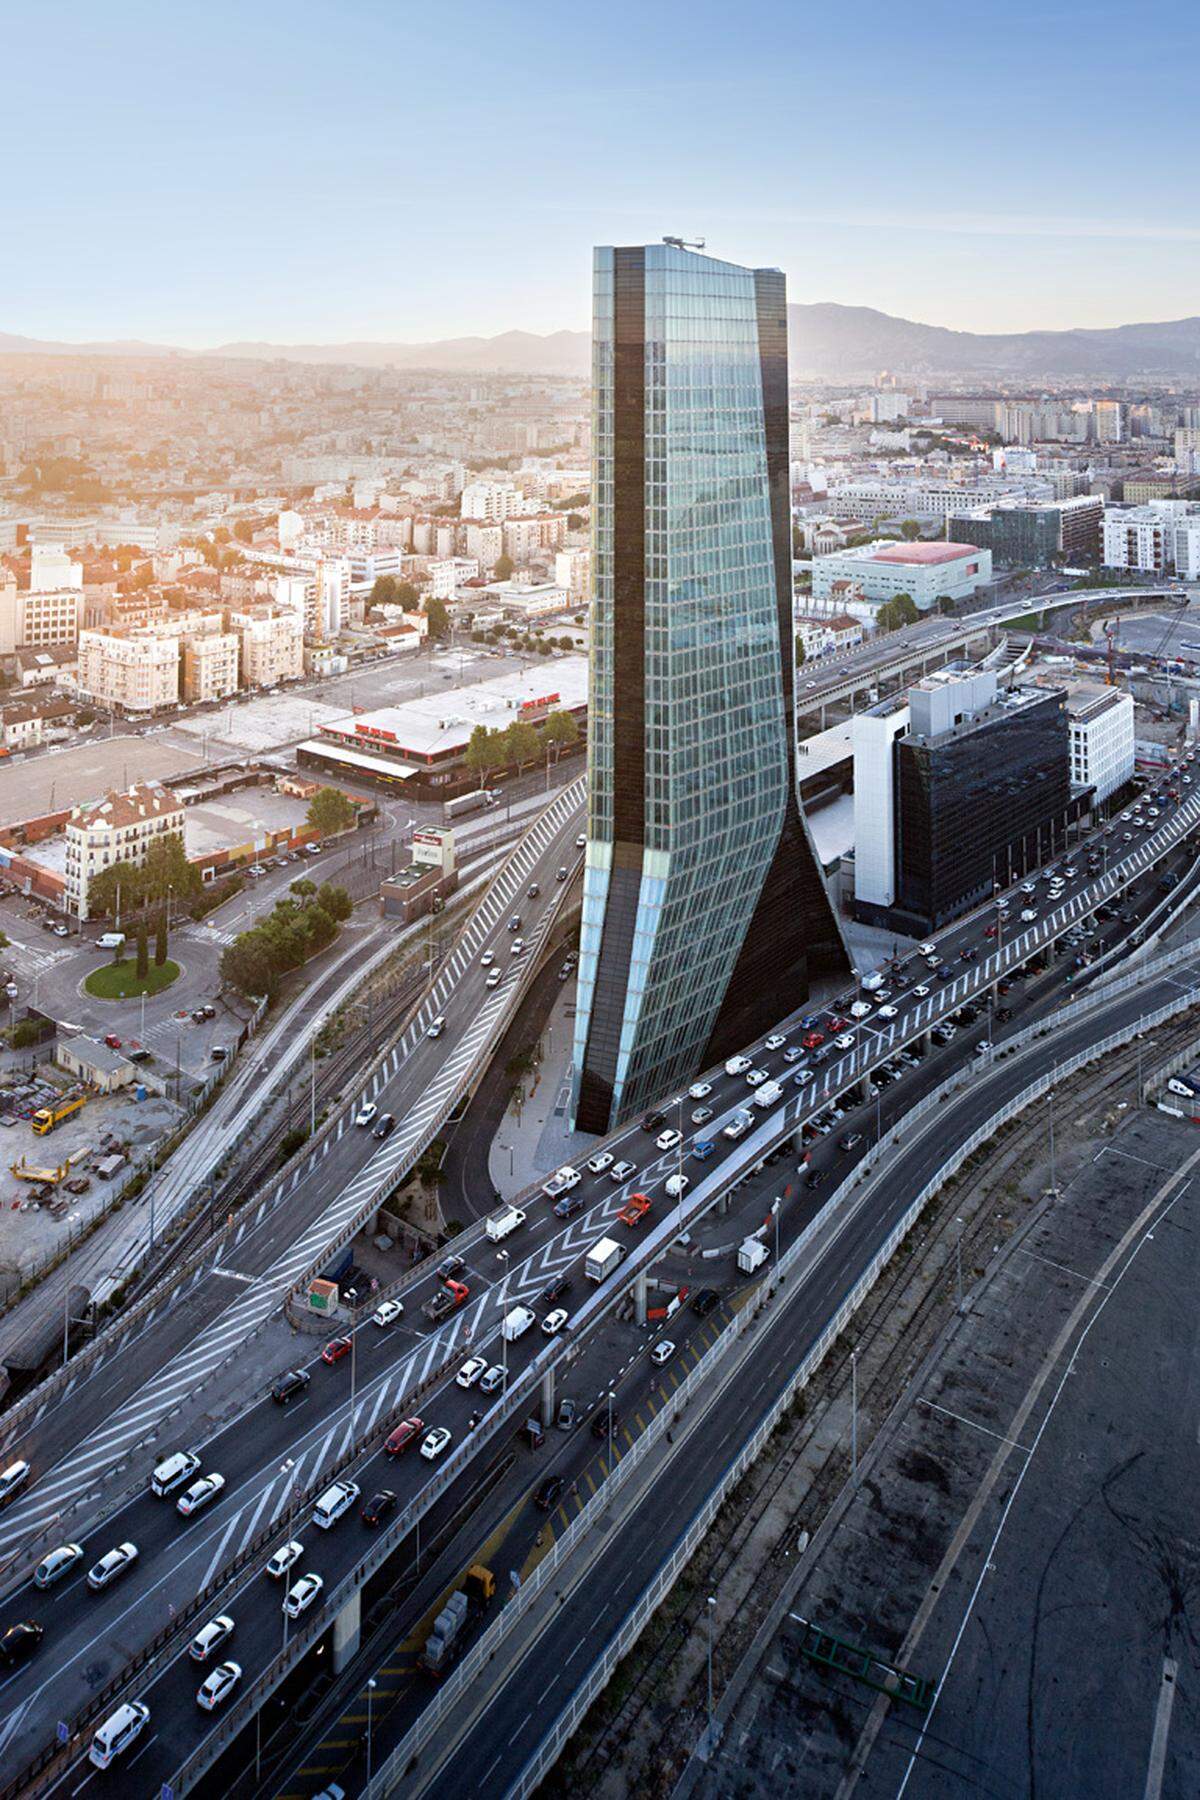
121	981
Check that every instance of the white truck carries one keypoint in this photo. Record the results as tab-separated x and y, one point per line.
517	1322
752	1254
498	1224
769	1094
562	1182
603	1258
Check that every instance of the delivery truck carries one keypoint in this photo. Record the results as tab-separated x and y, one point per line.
498	1224
769	1094
445	1640
603	1258
751	1255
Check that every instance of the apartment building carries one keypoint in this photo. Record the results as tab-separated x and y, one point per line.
36	618
210	665
132	671
489	502
271	644
525	539
1102	738
572	570
485	543
1162	537
119	828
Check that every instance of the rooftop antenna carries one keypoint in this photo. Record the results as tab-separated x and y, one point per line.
678	243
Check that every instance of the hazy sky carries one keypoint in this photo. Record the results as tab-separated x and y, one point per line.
378	169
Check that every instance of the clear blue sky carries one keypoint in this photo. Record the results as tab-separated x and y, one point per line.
380	169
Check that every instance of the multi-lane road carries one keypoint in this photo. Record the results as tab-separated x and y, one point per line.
93	1634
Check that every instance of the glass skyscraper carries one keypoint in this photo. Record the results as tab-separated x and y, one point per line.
704	909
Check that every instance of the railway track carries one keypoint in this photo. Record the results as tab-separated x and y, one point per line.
650	1708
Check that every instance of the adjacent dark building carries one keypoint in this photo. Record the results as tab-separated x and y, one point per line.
704	908
1031	535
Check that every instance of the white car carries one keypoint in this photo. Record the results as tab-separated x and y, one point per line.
495	977
667	1140
487	959
737	1065
1028	914
220	1684
889	1012
701	1115
435	1442
776	1041
928	949
365	1113
388	1313
436	1027
471	1370
199	1494
737	1127
983	1049
845	1041
678	1184
517	947
491	1379
581	841
57	1563
283	1558
598	1164
622	1171
755	1077
210	1637
700	1090
662	1353
111	1564
302	1595
860	1010
554	1321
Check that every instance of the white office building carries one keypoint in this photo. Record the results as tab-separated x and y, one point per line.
873	735
884	569
1102	738
1160	538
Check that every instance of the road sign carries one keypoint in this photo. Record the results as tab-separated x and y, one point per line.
167	1792
63	1733
514	1575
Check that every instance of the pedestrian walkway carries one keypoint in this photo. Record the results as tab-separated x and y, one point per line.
533	1142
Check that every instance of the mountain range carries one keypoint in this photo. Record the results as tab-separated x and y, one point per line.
826	341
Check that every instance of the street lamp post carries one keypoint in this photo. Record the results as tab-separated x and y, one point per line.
854	1415
502	1256
709	1609
285	1468
371	1685
610	1430
958	1263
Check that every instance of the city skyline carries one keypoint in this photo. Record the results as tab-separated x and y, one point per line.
306	179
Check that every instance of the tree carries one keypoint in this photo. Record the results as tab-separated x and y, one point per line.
304	889
243	531
898	611
160	940
521	743
406	595
167	870
801	653
503	568
910	529
945	604
559	732
384	591
439	618
247	966
329	811
335	901
115	889
484	753
143	952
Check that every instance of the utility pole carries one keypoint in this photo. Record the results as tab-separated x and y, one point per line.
312	1086
709	1609
371	1685
958	1263
854	1415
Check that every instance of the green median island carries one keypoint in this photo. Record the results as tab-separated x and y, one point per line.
121	981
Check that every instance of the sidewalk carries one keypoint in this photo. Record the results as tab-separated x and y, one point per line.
535	1141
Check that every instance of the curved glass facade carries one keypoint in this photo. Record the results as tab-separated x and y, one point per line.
690	766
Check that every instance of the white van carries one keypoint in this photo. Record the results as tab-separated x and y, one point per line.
516	1323
117	1732
111	940
173	1472
334	1502
12	1478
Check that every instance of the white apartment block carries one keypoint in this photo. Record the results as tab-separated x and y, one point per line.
446	575
485	543
1162	537
1102	738
573	570
271	644
868	500
35	619
51	567
210	665
489	502
525	539
133	671
119	828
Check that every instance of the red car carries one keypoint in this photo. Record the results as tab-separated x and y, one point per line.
811	1039
634	1209
991	931
113	1041
403	1435
335	1349
839	1025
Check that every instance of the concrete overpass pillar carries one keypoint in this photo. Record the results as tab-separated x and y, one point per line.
639	1299
548	1400
346	1628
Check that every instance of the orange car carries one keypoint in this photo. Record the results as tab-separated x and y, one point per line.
634	1209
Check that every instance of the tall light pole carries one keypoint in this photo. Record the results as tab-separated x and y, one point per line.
854	1415
371	1685
958	1263
502	1256
285	1468
709	1609
610	1431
